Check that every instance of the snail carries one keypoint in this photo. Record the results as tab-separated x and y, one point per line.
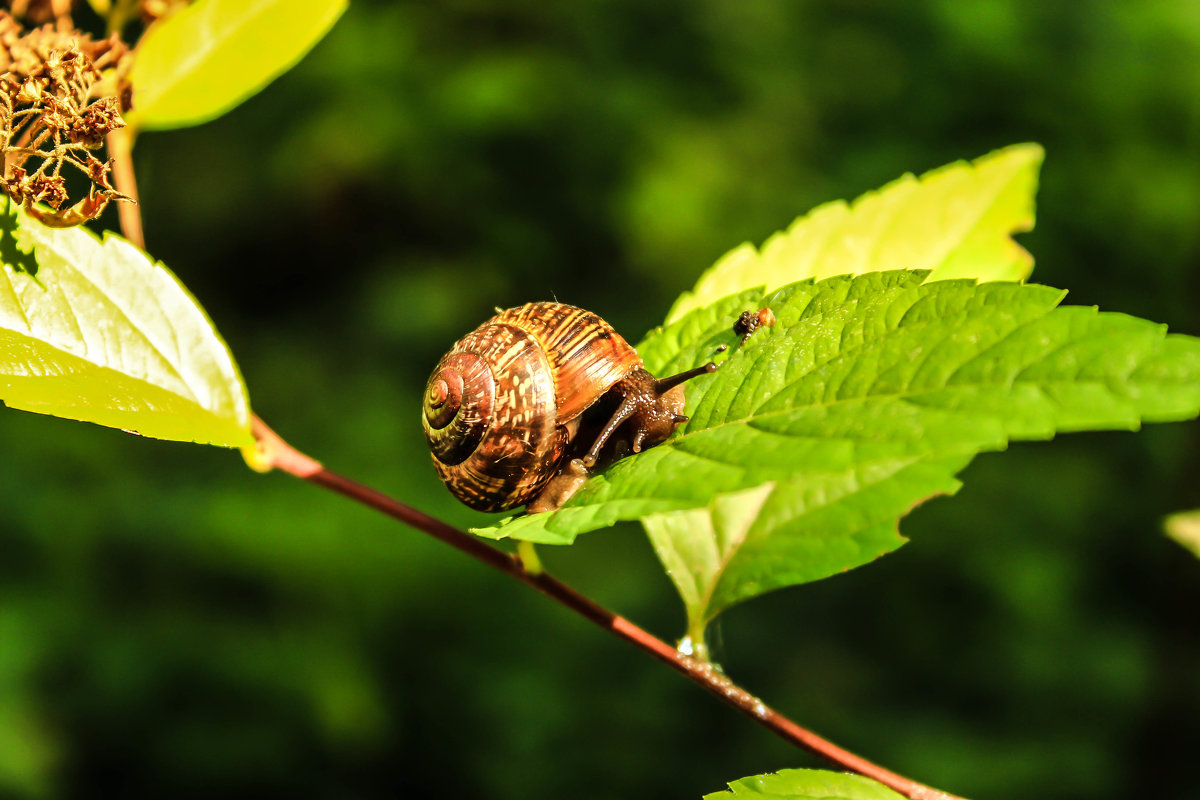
508	411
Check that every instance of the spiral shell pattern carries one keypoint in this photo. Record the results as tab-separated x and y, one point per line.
493	440
497	405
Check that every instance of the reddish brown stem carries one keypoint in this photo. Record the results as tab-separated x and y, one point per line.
280	454
120	148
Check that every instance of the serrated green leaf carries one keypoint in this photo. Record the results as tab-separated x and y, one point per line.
208	58
795	536
810	784
94	330
1184	527
956	221
865	398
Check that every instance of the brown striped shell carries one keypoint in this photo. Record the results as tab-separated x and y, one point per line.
498	407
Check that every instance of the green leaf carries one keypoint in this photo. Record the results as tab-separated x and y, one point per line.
865	398
956	221
1184	528
813	784
203	61
695	546
784	534
103	334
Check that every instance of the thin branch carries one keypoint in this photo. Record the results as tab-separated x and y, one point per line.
278	453
120	144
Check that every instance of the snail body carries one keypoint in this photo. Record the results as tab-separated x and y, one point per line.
503	409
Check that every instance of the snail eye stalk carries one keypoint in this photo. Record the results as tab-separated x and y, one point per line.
649	405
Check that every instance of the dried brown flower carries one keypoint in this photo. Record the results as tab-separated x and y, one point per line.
55	110
40	11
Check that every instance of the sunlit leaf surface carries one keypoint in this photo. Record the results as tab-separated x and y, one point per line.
206	59
956	221
92	329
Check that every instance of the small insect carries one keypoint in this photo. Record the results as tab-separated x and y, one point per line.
750	321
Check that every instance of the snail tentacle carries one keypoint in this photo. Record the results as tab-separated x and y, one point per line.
651	405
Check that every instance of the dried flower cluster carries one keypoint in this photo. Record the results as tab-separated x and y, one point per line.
56	110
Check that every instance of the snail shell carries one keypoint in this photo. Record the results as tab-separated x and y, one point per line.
501	408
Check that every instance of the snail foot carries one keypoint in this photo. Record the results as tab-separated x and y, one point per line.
560	488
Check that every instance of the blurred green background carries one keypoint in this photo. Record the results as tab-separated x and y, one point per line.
172	625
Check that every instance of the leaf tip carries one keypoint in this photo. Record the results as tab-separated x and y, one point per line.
1030	153
1184	528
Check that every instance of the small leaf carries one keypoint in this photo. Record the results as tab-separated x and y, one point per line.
867	397
956	221
203	61
812	784
695	546
1184	528
103	334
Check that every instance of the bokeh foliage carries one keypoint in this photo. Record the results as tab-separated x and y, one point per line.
172	624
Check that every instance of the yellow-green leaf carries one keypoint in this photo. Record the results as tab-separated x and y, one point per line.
94	330
206	59
806	784
1184	527
695	546
956	221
